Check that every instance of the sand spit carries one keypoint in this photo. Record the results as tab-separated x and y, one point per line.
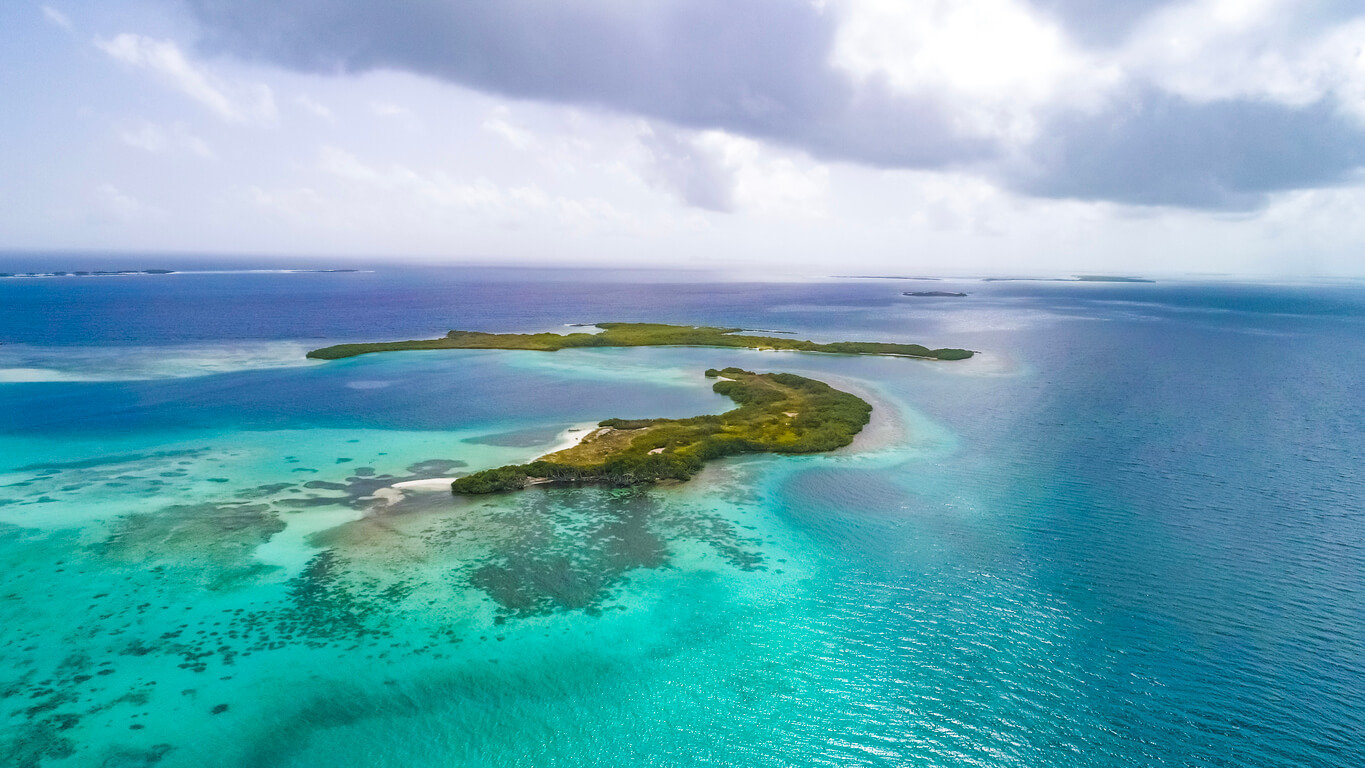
564	441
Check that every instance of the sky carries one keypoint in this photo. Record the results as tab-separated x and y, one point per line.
792	136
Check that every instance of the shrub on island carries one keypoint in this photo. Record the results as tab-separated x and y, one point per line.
777	413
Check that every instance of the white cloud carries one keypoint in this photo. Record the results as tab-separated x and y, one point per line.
768	181
303	205
153	138
433	195
682	164
237	103
995	60
499	123
724	172
56	17
1212	50
385	109
120	205
315	107
1001	65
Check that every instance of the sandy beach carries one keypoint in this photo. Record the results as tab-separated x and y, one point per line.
564	441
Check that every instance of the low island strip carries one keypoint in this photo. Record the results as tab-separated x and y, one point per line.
777	413
637	335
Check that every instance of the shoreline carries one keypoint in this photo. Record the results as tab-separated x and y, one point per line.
569	438
886	427
566	439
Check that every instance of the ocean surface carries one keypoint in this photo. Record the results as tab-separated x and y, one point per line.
1131	532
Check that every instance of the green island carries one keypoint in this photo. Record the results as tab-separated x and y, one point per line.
637	335
777	413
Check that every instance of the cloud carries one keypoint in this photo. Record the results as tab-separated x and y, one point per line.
1109	25
314	107
153	138
995	61
1159	149
1100	24
427	196
1187	103
120	205
56	17
499	123
239	104
688	168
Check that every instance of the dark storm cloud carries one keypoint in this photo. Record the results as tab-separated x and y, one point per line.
1157	149
755	67
761	68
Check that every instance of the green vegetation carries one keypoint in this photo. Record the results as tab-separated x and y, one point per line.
777	413
637	335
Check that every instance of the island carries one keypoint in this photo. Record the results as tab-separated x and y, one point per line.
934	294
777	413
637	335
94	273
138	272
1072	279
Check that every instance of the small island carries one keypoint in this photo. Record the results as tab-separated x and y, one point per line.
934	294
777	413
95	273
1072	279
637	335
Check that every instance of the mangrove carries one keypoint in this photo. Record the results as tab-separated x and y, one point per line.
637	335
777	413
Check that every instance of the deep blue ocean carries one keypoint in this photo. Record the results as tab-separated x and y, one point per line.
1130	532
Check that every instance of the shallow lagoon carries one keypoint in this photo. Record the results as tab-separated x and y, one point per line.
1128	533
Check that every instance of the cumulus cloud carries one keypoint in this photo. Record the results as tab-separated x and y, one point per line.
1193	103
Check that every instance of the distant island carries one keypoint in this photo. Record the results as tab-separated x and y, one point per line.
777	413
89	273
130	272
934	294
884	277
1072	279
637	335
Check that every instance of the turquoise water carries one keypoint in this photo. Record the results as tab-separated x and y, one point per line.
1129	533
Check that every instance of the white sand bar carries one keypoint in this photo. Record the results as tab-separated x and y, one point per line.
429	484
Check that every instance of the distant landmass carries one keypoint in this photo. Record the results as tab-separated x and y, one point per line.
126	272
1072	279
91	273
637	335
933	293
883	277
